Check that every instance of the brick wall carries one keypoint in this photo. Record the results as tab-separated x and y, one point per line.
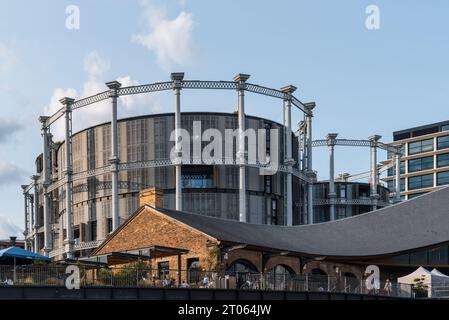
151	228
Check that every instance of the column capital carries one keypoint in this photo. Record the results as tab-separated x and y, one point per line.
177	76
309	106
288	90
35	177
330	137
113	86
374	138
289	162
241	77
43	120
67	102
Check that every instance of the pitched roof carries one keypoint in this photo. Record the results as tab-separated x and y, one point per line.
417	223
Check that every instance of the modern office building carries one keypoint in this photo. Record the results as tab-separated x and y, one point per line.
424	165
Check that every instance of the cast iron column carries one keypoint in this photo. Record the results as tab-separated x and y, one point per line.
25	197
241	86
114	159
374	172
177	86
288	159
332	195
69	241
310	174
45	182
34	223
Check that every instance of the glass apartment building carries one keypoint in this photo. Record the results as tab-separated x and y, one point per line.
425	162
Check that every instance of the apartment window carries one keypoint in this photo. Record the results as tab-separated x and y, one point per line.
420	146
443	178
443	160
419	182
443	142
420	164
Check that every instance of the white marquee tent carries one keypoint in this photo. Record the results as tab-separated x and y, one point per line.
431	279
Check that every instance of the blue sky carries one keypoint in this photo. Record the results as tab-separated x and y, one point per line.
363	81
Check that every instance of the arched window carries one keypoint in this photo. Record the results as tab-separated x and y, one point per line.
282	270
318	272
279	277
242	265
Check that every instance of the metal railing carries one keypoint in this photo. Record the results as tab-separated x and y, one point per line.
145	277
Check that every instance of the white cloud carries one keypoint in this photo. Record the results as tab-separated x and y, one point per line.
97	68
8	228
10	173
95	65
169	40
8	59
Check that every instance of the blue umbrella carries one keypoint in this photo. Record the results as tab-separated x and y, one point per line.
20	254
16	254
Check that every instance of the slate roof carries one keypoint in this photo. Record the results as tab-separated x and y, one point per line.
417	223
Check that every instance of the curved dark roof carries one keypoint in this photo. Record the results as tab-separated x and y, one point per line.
417	223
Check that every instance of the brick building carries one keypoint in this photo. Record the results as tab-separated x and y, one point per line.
177	240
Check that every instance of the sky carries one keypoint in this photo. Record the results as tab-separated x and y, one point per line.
364	81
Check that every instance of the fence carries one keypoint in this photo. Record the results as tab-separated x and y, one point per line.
145	277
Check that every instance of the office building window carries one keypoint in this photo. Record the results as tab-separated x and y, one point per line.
443	160
443	178
392	185
420	146
392	170
419	182
420	164
443	142
445	127
414	195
